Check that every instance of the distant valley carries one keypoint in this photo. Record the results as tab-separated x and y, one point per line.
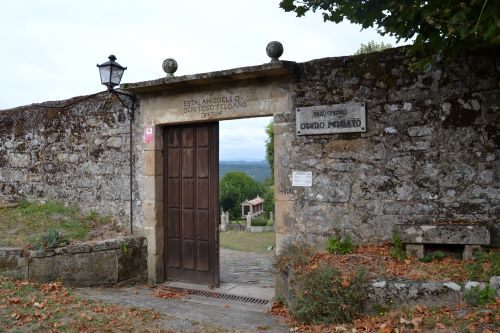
258	170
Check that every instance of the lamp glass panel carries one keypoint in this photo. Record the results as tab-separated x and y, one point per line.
105	74
116	75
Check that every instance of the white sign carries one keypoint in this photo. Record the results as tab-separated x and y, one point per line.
331	119
302	178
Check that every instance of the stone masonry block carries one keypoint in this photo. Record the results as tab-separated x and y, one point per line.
285	216
443	234
153	188
415	250
469	251
153	163
153	213
155	237
155	269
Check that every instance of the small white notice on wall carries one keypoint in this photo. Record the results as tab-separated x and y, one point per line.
302	178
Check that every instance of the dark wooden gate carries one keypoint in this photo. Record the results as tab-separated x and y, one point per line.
191	203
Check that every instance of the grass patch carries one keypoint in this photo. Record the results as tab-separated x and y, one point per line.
29	222
339	246
248	241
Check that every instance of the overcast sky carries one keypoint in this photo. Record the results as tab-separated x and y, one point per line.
49	49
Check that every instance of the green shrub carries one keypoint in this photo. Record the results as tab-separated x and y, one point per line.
291	255
342	246
431	256
52	238
325	296
259	222
397	250
477	296
484	266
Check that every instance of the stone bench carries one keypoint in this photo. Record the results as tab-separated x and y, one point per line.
416	236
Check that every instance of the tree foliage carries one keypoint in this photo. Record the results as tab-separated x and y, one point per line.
439	26
270	149
373	46
236	187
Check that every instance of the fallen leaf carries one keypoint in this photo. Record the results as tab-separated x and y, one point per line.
440	326
385	328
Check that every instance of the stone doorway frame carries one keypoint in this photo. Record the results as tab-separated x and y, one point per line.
265	90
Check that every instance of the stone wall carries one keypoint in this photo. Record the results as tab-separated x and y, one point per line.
77	154
430	150
101	263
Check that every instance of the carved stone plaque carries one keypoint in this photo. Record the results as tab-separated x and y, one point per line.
331	119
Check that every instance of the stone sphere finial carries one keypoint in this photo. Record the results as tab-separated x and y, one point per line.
274	50
169	66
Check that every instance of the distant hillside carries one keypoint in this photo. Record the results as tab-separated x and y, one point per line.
257	170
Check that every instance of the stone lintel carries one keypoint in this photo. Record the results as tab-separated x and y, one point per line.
275	69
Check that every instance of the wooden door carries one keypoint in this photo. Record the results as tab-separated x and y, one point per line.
191	207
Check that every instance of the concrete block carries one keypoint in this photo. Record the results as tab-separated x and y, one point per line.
415	250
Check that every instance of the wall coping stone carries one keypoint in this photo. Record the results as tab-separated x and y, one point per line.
109	244
9	251
42	253
275	69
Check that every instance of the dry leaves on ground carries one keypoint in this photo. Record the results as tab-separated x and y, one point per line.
416	320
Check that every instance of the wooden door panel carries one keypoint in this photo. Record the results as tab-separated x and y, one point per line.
203	256
202	194
188	193
202	159
191	203
188	163
174	163
173	253
173	191
188	248
174	222
187	137
201	226
188	224
202	136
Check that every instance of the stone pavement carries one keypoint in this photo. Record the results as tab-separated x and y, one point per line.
242	273
246	268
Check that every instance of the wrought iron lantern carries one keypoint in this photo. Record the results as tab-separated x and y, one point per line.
111	72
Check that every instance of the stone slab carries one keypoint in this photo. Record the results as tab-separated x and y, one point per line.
77	269
443	234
